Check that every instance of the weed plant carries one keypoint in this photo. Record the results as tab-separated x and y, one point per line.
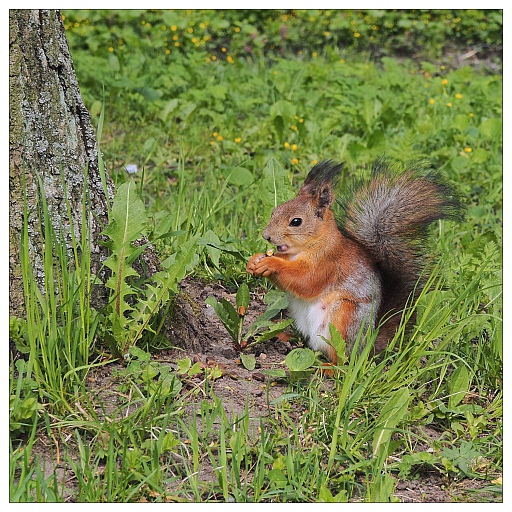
222	134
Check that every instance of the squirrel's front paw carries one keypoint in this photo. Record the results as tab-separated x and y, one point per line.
257	265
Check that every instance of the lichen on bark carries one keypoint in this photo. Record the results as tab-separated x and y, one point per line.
51	135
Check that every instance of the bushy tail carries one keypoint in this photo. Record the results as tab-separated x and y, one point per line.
389	215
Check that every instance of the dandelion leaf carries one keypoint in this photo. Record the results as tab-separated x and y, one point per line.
128	222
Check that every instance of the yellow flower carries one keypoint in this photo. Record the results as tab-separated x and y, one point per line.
215	134
174	28
357	34
220	137
237	29
458	96
238	139
444	81
448	104
174	38
431	101
167	51
468	150
230	59
214	57
293	127
223	49
110	49
287	145
176	43
295	161
190	30
294	147
327	33
314	162
342	61
471	114
314	54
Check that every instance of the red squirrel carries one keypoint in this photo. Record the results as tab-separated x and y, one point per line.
360	271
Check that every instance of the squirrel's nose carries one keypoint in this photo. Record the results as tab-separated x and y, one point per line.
266	236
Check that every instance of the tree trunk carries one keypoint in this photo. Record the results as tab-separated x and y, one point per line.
51	135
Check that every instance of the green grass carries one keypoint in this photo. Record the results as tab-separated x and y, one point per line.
207	132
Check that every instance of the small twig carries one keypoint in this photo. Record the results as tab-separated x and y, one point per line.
468	55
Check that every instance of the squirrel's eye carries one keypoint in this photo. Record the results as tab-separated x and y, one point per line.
296	222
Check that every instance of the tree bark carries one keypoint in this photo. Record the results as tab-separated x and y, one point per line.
51	135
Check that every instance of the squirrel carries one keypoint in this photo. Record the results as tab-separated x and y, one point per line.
358	271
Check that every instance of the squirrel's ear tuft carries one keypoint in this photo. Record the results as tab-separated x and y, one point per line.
320	184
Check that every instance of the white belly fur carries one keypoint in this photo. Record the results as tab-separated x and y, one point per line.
312	319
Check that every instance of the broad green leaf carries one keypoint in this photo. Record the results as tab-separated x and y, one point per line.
479	156
277	373
491	128
281	113
300	359
232	312
461	122
248	360
458	386
169	442
391	414
184	365
325	495
128	217
273	330
337	341
243	296
277	478
127	223
223	315
239	176
275	186
195	369
169	107
140	354
211	241
460	163
276	299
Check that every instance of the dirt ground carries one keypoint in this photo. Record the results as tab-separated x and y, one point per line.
197	333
